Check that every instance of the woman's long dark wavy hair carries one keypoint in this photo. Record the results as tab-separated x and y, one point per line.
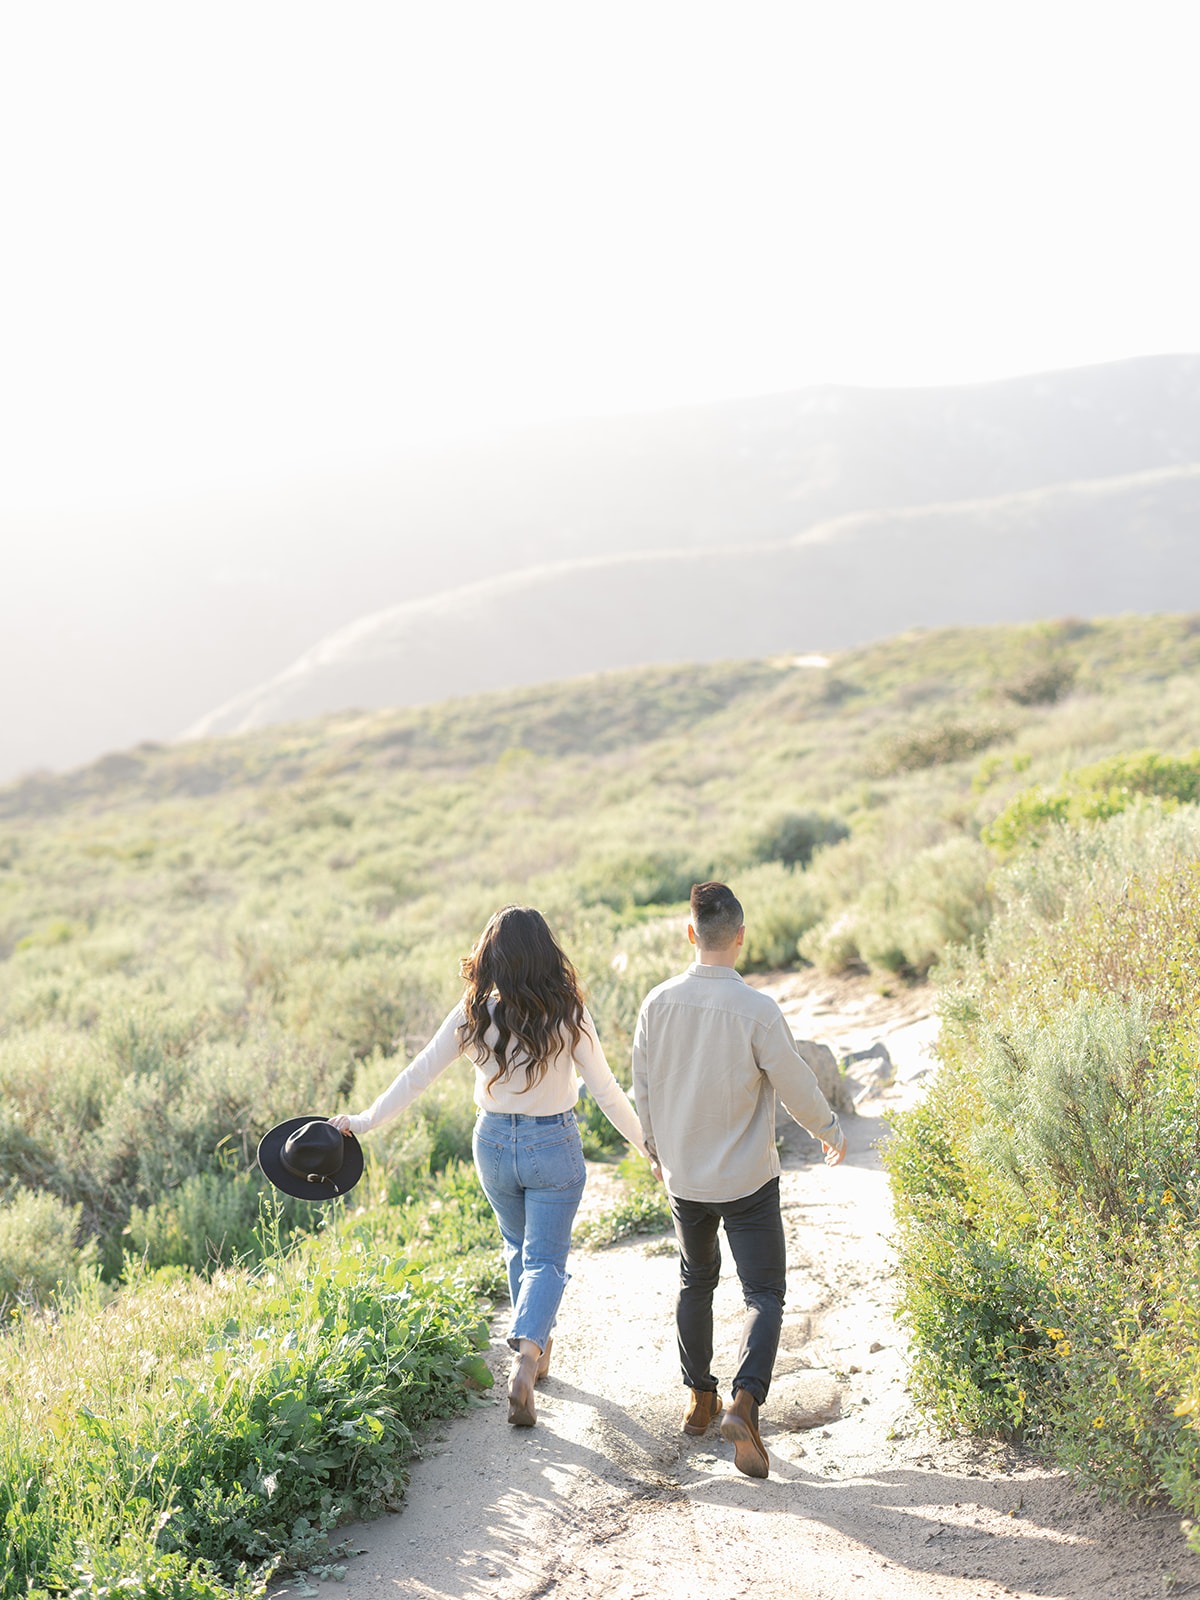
538	1005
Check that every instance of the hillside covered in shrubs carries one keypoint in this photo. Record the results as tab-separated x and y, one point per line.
196	941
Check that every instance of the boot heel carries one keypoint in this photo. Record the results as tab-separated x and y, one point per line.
522	1412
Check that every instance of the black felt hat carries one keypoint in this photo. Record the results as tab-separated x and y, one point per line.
310	1158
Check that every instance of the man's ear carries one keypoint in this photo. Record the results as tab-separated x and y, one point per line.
691	934
741	936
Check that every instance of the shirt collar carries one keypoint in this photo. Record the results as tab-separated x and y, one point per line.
702	971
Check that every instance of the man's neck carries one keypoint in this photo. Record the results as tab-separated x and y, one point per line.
717	958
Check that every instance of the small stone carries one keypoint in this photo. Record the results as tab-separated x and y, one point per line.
877	1347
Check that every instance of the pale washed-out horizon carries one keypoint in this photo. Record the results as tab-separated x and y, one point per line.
253	356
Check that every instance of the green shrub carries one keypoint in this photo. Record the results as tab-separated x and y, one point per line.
1046	1188
1042	683
780	907
791	837
211	1219
38	1254
1093	793
906	920
935	744
639	877
832	945
1063	1104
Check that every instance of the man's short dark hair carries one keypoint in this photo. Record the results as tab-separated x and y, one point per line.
716	915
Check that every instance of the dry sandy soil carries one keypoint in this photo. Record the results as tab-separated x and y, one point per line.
606	1497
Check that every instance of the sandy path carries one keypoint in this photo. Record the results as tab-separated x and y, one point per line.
606	1497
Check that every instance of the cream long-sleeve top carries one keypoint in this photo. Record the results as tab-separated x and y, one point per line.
555	1092
709	1054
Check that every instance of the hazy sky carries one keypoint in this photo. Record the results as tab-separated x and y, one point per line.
252	241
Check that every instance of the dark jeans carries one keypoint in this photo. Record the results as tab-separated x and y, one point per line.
754	1229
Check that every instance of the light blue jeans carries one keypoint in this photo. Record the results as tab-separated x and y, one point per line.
532	1172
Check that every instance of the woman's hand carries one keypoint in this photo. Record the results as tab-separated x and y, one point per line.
341	1122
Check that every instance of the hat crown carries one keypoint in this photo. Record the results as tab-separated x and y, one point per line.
310	1158
314	1152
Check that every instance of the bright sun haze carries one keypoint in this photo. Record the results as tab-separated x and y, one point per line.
257	242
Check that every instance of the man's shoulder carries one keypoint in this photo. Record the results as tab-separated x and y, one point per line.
669	987
729	994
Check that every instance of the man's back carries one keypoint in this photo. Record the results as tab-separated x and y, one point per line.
709	1055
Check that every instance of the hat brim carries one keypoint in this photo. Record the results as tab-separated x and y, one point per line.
270	1159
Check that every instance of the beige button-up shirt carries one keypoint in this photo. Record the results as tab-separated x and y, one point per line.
709	1055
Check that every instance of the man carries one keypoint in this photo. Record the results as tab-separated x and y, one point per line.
709	1054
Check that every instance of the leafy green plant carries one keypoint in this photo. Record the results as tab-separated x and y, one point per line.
216	1431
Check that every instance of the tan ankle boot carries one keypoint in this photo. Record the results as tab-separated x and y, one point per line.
522	1412
704	1407
543	1366
740	1428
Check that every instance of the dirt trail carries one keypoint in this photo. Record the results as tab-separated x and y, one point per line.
607	1498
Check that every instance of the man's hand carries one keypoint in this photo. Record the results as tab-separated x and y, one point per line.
656	1169
834	1153
341	1122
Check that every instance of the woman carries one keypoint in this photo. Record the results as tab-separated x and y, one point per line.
523	1022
